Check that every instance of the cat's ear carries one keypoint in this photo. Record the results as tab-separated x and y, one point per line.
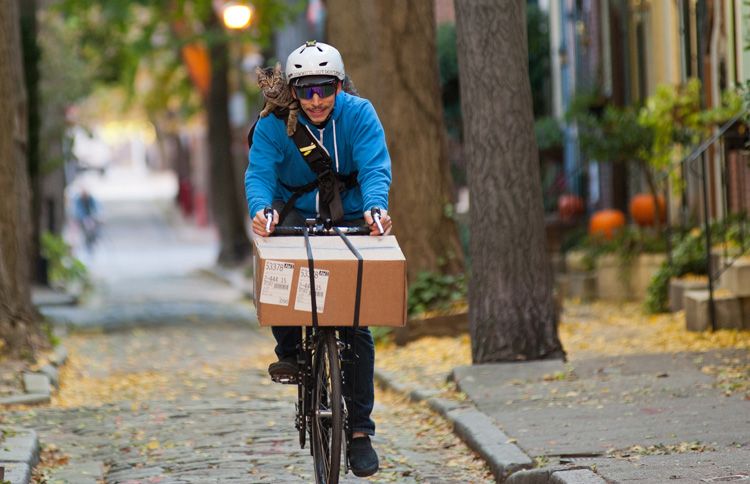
258	71
277	68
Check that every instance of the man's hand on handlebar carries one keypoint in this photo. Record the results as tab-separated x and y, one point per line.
372	217
261	225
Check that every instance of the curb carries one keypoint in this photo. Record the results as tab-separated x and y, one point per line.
507	461
18	455
38	386
19	448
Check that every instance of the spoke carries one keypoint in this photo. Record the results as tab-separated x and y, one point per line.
326	462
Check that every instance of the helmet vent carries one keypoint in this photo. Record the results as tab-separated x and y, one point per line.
323	64
298	66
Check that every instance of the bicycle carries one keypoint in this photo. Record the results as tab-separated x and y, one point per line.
321	408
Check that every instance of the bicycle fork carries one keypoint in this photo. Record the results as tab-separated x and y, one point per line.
303	419
348	368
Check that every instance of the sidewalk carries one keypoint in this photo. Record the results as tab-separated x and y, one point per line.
661	416
24	383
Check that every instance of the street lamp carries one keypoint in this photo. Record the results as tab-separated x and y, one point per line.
237	15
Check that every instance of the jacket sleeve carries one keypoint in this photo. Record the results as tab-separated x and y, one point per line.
260	176
372	159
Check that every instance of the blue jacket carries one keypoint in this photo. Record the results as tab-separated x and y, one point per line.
355	141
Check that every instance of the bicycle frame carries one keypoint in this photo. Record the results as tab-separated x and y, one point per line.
312	340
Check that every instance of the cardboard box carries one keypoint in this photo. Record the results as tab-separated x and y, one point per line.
282	288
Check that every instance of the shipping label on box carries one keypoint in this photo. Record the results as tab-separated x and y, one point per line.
282	281
303	301
277	282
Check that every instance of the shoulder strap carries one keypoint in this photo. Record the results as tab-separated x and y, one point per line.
319	161
251	133
279	113
312	151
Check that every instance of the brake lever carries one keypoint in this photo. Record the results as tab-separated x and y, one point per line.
268	213
375	212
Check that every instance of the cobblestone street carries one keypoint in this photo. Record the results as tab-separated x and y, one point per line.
168	384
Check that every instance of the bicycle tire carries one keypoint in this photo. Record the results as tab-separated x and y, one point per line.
327	409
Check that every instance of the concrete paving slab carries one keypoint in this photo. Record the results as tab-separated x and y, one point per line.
16	472
19	445
577	476
589	408
79	473
556	475
52	374
725	465
59	356
26	399
36	383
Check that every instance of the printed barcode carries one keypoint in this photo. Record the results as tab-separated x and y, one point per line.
281	286
319	293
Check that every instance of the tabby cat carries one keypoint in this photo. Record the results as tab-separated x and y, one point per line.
272	83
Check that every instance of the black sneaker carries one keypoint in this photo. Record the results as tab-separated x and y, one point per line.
285	370
362	457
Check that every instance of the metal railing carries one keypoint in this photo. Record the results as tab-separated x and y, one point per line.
723	213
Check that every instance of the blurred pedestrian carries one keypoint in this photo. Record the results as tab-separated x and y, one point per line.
86	213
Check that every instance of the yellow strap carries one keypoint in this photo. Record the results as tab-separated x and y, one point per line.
307	149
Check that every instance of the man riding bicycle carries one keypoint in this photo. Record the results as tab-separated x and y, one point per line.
279	176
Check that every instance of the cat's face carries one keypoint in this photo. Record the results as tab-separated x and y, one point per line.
271	81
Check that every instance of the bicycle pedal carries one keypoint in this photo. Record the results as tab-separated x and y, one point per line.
285	379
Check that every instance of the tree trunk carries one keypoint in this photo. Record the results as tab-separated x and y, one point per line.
227	211
391	44
19	335
512	311
31	55
351	29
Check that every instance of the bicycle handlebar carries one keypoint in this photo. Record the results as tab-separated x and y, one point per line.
321	230
316	227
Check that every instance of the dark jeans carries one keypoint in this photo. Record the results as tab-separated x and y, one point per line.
288	339
360	407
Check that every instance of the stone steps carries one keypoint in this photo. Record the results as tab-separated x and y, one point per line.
731	301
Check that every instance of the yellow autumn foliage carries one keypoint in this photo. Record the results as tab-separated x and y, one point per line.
586	330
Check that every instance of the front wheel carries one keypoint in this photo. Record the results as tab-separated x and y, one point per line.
327	409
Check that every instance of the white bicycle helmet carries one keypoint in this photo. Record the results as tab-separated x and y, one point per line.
314	59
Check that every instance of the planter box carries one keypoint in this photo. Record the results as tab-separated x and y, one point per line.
678	288
736	277
574	261
449	325
728	311
615	283
745	307
577	285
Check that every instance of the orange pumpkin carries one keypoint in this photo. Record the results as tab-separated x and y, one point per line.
642	209
570	206
605	223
